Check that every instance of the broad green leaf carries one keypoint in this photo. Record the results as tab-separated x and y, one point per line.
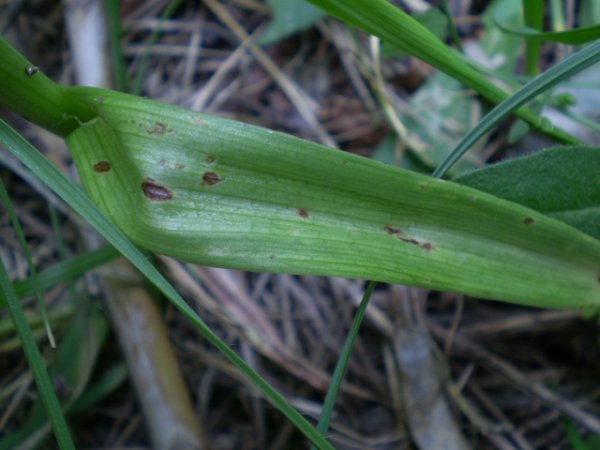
289	17
221	193
392	25
561	182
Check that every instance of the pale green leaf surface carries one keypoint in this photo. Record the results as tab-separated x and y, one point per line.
289	17
561	182
225	194
576	36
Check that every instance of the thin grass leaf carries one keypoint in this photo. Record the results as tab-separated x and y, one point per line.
342	364
563	70
392	25
577	36
65	271
452	25
25	248
42	379
75	198
113	16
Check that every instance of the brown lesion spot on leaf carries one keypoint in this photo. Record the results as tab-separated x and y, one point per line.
102	166
210	178
155	192
422	244
179	166
391	230
210	159
528	221
303	213
426	246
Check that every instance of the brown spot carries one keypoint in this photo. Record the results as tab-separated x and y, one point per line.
210	159
391	230
155	192
528	221
163	163
102	166
426	246
409	241
303	213
210	178
179	166
159	128
425	186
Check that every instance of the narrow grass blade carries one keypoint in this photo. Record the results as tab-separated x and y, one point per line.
563	70
42	379
577	36
75	198
392	25
342	364
226	194
25	248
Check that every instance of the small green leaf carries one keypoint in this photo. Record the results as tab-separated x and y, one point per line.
289	17
222	193
561	182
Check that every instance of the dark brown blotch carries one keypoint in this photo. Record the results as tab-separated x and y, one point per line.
391	230
303	213
528	221
155	192
102	166
210	159
426	246
409	241
210	178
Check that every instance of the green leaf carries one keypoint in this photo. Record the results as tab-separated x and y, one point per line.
75	198
289	17
561	182
221	193
576	36
392	25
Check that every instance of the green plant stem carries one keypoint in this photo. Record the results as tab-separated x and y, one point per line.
533	11
28	92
